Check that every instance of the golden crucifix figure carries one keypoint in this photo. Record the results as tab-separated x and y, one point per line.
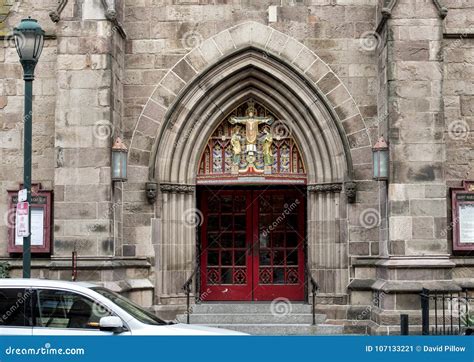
251	122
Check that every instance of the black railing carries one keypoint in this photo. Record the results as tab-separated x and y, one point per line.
187	289
451	313
314	289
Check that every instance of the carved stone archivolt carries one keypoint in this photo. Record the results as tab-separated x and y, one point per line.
177	188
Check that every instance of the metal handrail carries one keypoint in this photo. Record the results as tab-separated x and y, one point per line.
451	311
314	289
189	282
187	290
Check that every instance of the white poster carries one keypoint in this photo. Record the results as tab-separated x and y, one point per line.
37	228
466	223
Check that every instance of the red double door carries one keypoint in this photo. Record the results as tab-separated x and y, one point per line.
252	245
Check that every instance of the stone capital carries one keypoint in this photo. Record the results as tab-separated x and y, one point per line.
177	188
326	187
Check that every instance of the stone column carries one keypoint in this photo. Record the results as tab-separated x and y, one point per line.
417	190
327	241
174	239
83	130
417	205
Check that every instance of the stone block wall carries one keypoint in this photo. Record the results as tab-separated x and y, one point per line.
77	110
458	95
11	107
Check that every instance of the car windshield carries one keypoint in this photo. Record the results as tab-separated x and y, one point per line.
131	308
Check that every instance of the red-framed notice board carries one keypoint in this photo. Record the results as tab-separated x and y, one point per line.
462	200
41	221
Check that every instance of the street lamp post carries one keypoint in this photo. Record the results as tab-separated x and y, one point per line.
29	38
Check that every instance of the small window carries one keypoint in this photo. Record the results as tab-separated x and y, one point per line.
63	309
14	307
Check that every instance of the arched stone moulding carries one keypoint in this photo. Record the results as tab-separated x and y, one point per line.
322	83
249	60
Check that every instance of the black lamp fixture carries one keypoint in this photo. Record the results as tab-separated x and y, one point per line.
29	40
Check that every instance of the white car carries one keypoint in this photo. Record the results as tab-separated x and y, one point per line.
45	307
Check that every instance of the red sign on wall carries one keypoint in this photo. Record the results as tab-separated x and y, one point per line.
463	217
41	220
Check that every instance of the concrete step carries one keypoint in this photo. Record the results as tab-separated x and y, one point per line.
255	318
283	329
251	308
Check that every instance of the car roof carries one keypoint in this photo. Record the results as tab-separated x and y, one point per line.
44	283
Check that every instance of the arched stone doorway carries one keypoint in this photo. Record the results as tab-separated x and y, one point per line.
191	101
251	191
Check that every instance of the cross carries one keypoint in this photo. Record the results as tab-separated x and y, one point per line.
251	122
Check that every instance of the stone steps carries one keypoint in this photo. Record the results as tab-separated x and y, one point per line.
283	329
289	319
249	318
243	308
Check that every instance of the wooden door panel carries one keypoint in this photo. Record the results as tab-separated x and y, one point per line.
226	268
279	245
252	245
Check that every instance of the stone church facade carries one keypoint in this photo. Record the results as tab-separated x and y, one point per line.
332	75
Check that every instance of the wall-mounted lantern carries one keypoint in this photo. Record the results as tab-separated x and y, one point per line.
380	159
119	160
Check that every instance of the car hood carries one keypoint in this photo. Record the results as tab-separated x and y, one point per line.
186	330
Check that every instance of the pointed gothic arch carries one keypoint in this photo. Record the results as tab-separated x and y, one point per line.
249	60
